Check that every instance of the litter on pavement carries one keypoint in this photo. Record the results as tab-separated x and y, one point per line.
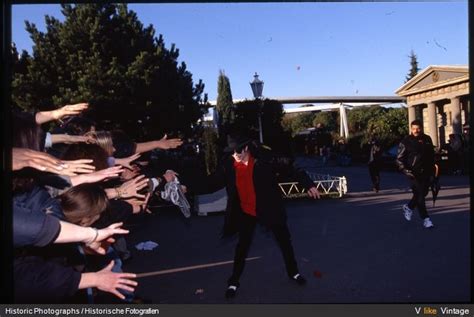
199	291
148	245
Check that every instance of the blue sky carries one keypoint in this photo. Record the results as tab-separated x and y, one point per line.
298	49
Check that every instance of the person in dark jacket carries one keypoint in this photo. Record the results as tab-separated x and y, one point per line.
375	156
253	197
37	225
416	160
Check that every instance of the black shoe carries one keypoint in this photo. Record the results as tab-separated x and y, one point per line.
299	279
231	291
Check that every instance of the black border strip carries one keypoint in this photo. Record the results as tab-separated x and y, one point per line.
6	250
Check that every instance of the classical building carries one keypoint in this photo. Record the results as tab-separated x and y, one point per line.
439	96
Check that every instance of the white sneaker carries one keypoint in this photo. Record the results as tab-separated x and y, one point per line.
427	223
407	212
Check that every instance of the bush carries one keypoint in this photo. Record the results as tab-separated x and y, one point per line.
209	138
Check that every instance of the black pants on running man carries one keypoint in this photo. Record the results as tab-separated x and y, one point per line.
419	187
246	232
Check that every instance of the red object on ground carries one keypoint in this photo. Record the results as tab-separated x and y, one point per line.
317	274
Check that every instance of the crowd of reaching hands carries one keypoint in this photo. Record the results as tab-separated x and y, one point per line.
73	190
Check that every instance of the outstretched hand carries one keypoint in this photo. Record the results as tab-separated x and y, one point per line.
132	187
44	162
99	245
22	158
314	193
75	167
166	143
111	282
72	139
69	110
126	162
95	248
139	205
97	176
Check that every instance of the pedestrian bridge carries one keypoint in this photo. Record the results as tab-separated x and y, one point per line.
362	100
338	103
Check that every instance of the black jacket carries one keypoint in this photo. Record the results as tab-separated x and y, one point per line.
40	269
37	280
375	154
35	218
270	209
416	155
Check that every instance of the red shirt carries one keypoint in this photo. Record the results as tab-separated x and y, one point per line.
245	188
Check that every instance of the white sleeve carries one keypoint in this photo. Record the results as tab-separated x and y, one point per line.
155	183
48	143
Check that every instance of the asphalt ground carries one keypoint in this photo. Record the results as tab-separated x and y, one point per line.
355	249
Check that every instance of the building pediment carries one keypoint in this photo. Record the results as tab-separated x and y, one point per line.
433	77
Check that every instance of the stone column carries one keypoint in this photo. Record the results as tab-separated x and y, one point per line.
456	115
433	123
411	114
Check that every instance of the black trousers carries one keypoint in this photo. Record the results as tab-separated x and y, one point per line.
246	232
420	188
374	171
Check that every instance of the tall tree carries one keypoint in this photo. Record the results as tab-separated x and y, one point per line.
211	155
413	66
358	118
389	124
389	127
330	119
274	135
224	104
295	123
104	55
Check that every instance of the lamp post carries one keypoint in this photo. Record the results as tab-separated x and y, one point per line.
257	89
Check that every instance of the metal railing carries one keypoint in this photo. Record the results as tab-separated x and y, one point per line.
327	185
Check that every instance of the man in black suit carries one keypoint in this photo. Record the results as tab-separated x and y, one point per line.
416	160
253	197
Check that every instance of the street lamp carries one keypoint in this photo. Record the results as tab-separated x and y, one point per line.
257	89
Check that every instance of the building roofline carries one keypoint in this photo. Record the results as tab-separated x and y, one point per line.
428	69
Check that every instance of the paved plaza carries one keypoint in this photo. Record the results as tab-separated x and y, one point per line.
355	249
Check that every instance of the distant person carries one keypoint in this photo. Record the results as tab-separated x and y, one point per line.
253	197
323	143
465	135
416	160
466	149
375	157
455	154
343	153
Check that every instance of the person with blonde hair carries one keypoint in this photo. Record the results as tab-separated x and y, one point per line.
104	140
